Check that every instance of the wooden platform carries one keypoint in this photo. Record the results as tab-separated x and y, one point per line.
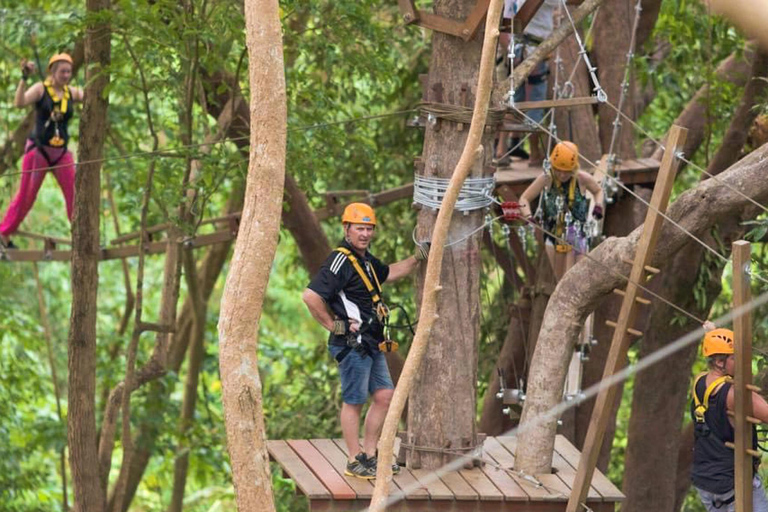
633	172
317	468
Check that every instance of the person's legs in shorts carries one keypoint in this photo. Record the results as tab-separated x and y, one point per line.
381	389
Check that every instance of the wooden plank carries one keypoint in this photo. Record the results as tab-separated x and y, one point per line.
481	484
554	487
404	481
563	103
338	459
500	478
567	474
620	343
305	480
322	469
600	482
435	487
440	24
476	16
37	236
408	11
459	487
742	333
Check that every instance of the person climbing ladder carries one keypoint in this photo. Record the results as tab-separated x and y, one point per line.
46	149
564	207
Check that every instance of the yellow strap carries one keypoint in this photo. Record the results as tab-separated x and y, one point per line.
374	292
55	98
701	406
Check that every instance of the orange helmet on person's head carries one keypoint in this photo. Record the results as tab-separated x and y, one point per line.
565	157
59	57
718	341
359	213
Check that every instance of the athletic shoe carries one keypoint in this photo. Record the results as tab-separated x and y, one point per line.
361	468
373	461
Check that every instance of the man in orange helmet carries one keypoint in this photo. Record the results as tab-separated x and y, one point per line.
564	206
712	471
346	298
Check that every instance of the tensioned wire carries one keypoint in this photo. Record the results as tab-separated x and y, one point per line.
714	177
648	204
553	413
170	151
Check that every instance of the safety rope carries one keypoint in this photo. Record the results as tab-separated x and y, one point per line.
187	147
682	158
601	95
474	194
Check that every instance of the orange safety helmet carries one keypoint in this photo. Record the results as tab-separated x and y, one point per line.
718	341
59	57
565	156
359	213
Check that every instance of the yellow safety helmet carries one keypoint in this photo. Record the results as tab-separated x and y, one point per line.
565	157
359	213
718	341
59	57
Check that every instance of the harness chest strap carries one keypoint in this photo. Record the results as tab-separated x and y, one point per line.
701	406
64	97
375	292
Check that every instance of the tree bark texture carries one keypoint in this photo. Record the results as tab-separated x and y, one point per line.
81	416
581	288
443	401
246	285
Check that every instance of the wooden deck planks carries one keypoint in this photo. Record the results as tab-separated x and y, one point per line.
459	487
435	487
506	459
482	484
297	470
338	459
600	482
337	486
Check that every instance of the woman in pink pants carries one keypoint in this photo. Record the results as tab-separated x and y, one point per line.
46	149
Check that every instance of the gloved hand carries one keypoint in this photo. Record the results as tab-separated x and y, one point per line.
597	212
422	251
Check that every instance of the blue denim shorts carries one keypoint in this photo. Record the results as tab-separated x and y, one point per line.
535	87
361	375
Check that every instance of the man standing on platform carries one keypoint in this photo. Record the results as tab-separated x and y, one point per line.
346	298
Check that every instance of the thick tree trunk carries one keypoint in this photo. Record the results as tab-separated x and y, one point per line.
443	401
81	416
579	291
246	285
300	220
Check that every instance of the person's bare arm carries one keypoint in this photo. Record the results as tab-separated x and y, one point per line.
531	193
759	405
26	96
77	94
401	269
319	311
586	180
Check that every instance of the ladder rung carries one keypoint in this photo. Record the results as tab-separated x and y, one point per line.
750	419
754	388
749	451
633	332
648	268
639	300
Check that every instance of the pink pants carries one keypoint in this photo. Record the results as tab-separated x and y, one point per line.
32	180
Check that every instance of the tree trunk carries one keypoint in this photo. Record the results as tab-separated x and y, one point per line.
443	402
579	291
81	416
246	285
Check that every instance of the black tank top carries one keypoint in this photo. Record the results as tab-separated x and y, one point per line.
713	462
45	127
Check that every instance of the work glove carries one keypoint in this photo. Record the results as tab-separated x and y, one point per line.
422	251
597	212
